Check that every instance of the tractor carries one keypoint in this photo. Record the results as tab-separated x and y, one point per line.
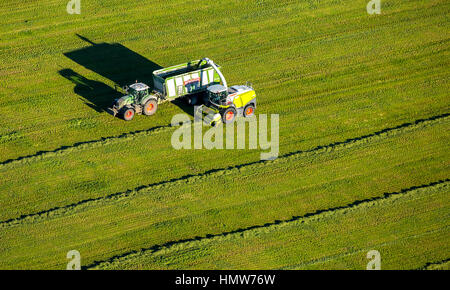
138	100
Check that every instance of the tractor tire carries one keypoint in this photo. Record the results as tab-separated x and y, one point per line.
150	107
128	114
249	110
229	115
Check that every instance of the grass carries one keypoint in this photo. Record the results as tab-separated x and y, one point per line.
386	224
71	176
255	195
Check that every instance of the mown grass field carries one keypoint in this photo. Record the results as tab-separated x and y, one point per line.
364	137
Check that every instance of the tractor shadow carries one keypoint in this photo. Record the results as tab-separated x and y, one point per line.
112	61
115	62
95	94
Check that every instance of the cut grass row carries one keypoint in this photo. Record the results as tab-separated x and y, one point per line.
396	225
22	202
442	265
232	200
24	160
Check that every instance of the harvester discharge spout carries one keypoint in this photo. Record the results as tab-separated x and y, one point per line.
214	66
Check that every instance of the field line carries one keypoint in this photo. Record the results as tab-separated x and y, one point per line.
362	250
63	150
435	265
84	145
309	217
187	179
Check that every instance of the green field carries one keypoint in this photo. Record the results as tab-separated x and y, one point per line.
364	161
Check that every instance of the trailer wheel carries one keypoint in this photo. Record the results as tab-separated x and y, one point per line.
229	115
249	110
128	114
150	107
193	100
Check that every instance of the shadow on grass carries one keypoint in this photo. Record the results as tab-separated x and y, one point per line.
95	94
112	61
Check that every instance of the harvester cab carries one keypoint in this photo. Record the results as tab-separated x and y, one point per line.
218	95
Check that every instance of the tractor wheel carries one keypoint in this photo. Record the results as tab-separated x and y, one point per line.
150	107
229	115
128	114
249	110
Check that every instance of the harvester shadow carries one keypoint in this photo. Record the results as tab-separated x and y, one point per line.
115	62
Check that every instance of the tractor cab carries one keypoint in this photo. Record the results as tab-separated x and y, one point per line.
138	91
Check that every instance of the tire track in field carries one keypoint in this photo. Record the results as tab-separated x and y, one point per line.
192	178
83	145
243	232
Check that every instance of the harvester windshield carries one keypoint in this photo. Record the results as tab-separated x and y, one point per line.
217	94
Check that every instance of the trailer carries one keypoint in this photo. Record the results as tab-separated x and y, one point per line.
185	80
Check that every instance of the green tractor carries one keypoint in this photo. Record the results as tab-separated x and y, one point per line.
138	100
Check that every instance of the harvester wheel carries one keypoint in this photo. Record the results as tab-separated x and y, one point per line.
150	107
229	115
128	114
249	110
